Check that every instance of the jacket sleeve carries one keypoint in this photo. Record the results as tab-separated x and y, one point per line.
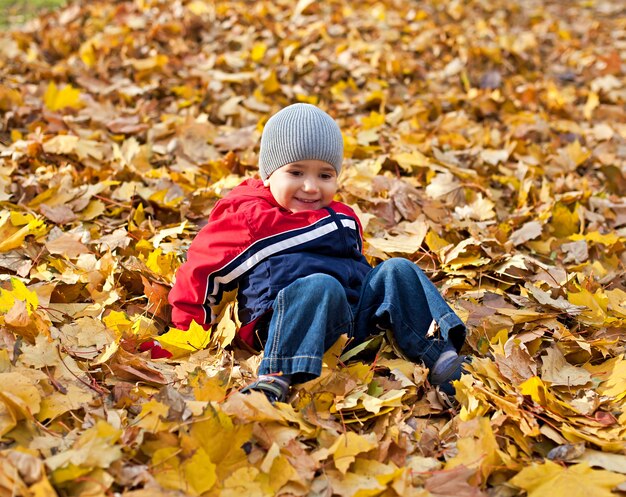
210	269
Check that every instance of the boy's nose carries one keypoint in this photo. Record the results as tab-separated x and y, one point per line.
310	185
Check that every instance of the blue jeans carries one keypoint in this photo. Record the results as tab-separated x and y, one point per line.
313	312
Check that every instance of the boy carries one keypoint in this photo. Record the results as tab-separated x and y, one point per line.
295	255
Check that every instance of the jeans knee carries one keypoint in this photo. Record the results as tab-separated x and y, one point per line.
322	284
399	265
318	286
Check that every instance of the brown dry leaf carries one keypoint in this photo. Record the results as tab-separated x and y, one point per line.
60	214
68	245
127	125
127	366
453	483
557	371
517	365
528	231
157	298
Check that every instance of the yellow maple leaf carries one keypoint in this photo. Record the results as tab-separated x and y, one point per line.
21	218
200	472
541	394
374	120
332	355
118	322
577	153
271	84
278	468
384	473
408	160
181	342
208	388
558	481
613	375
19	399
18	292
307	99
87	53
16	239
617	301
161	263
258	51
69	473
59	403
152	416
354	484
348	445
222	440
143	327
608	239
479	451
167	469
95	448
564	222
595	313
435	242
56	99
165	198
247	481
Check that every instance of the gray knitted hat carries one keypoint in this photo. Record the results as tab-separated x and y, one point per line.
299	132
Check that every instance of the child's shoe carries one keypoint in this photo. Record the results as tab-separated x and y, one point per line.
442	375
275	388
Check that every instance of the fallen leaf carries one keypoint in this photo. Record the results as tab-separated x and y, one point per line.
557	371
529	231
58	99
576	481
453	482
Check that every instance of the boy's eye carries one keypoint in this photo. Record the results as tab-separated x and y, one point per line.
295	173
326	176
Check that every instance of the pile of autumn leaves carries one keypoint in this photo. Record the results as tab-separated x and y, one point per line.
485	143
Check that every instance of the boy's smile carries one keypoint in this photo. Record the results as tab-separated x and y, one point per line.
304	185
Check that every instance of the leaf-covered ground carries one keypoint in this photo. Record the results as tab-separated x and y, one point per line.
485	140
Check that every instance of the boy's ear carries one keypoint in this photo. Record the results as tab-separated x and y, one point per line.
266	182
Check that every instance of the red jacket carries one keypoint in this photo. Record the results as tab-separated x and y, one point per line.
253	244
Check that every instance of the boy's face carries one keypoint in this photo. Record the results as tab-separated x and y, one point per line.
304	185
